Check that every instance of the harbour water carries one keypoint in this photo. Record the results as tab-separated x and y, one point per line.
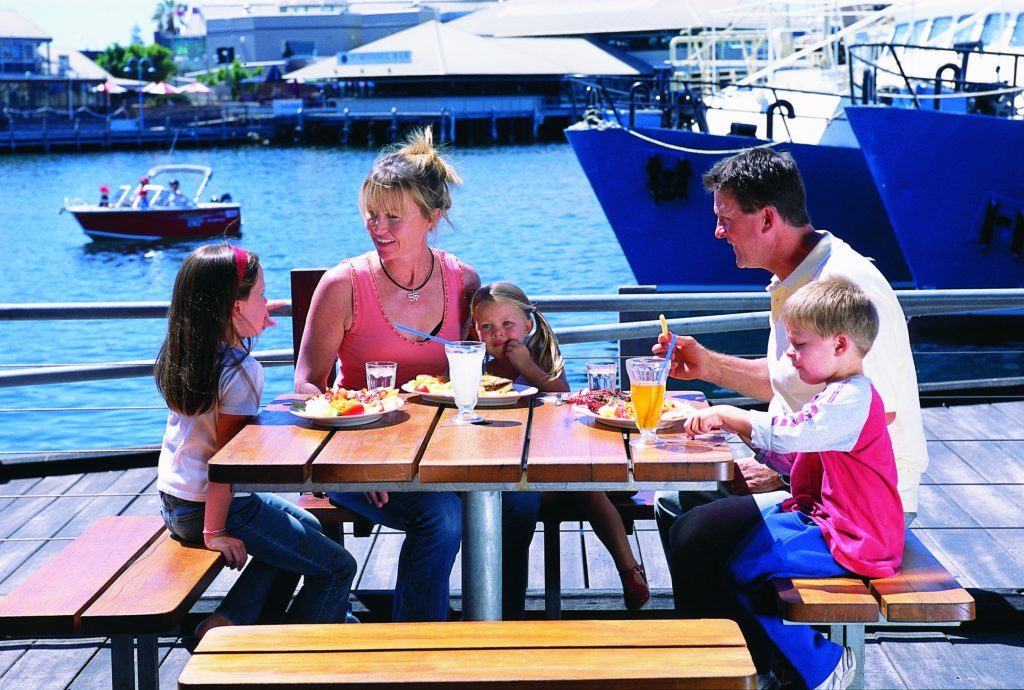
524	214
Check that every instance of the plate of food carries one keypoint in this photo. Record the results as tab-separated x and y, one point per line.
343	407
495	391
613	408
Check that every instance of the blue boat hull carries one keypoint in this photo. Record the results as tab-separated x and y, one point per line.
953	189
671	243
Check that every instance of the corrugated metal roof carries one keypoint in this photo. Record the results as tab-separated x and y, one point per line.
586	17
14	25
436	49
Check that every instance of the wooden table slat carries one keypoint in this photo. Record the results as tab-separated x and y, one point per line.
52	599
831	600
613	669
471	635
924	591
385	451
278	447
564	448
491	452
155	591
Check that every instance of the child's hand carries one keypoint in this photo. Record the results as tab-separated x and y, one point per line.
274	306
232	548
703	421
518	354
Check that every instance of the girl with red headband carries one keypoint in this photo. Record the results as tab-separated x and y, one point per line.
212	385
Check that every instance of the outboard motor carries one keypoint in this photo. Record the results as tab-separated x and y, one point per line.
222	199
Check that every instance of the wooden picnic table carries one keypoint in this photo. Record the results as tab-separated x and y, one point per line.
534	445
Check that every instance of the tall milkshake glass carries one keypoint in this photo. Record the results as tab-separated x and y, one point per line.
647	379
465	366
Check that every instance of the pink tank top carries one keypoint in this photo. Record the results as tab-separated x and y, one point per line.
373	337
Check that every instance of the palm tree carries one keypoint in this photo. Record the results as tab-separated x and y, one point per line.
165	14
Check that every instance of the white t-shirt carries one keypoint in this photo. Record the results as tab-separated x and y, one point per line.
190	442
889	364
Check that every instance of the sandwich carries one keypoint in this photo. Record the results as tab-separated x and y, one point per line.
490	383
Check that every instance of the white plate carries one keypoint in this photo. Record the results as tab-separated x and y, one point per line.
346	420
485	400
619	423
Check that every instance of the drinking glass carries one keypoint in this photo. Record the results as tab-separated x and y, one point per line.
602	375
647	378
465	365
381	374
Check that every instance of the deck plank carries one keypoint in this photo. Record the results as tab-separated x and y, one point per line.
918	656
946	466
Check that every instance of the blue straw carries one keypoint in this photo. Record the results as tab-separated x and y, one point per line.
421	334
671	347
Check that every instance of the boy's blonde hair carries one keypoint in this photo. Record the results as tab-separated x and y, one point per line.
542	343
833	306
414	167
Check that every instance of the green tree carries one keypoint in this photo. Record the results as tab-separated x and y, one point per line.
165	14
116	57
233	74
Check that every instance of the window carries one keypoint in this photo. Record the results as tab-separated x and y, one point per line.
939	26
1018	32
965	31
900	33
916	32
294	48
994	27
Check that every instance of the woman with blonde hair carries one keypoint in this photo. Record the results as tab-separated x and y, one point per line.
352	315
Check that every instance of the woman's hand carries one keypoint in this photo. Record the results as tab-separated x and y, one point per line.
690	359
703	421
518	355
232	548
376	498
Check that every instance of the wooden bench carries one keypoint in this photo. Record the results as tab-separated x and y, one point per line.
924	593
506	655
123	578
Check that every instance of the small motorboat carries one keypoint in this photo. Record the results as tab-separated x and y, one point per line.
155	209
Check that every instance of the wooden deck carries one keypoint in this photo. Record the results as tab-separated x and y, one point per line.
971	516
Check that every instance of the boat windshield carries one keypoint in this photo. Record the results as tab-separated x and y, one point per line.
964	32
900	33
993	28
1018	32
915	33
940	25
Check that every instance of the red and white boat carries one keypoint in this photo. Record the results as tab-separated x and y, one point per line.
159	213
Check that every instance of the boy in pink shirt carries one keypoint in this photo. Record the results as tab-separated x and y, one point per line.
845	515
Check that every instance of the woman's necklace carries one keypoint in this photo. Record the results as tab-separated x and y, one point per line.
413	293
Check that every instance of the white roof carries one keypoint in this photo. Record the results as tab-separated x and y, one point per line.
585	17
80	67
14	25
436	49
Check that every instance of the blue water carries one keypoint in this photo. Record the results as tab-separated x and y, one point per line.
525	214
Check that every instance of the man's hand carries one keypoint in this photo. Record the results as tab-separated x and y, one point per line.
377	498
690	359
751	477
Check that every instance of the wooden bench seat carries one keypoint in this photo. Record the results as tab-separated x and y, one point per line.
924	593
125	578
518	654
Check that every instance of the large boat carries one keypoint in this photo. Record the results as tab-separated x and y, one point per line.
646	174
151	211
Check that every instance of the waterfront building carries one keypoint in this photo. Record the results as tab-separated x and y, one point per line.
307	29
36	74
642	29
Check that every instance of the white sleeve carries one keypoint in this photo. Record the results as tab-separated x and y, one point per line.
832	420
241	387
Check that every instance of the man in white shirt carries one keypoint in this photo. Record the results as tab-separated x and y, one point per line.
760	205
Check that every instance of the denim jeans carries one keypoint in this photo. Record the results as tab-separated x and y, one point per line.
432	522
285	542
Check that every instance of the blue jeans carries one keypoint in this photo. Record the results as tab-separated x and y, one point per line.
783	545
285	542
432	522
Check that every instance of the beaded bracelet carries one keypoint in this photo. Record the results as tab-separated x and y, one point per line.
214	532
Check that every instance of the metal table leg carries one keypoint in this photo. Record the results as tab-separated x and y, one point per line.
122	662
149	663
481	556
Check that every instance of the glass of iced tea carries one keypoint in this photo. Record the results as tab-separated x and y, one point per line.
647	377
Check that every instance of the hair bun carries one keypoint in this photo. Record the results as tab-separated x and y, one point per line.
420	143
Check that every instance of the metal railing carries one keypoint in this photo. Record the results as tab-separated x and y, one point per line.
751	306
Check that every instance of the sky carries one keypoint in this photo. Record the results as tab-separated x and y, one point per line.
89	24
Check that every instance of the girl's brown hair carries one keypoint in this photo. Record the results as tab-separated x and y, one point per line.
542	343
199	324
414	167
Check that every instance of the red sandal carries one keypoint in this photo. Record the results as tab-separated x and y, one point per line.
635	591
